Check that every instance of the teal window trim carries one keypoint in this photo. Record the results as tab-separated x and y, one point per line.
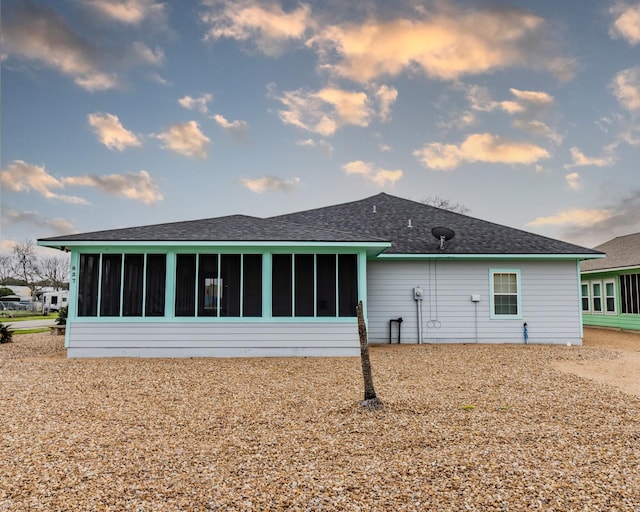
267	312
492	314
337	290
144	286
242	285
122	286
170	287
362	281
315	286
222	320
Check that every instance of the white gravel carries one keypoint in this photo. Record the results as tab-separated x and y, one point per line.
465	427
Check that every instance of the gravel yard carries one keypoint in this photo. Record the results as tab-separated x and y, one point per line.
465	427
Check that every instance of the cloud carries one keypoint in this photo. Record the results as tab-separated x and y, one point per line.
129	12
626	88
446	43
322	145
538	128
200	103
137	186
146	54
620	218
39	33
459	121
56	225
379	177
19	176
237	129
264	23
267	183
573	181
573	217
581	160
111	132
479	147
386	96
326	110
626	23
185	139
537	98
526	102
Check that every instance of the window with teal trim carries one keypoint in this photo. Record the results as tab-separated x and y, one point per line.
281	281
110	285
348	279
117	283
132	292
505	294
314	285
230	285
185	285
226	285
156	277
252	285
88	284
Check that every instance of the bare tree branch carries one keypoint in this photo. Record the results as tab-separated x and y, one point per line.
446	204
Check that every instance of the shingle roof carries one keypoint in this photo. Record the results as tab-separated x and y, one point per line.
379	218
386	216
622	251
223	229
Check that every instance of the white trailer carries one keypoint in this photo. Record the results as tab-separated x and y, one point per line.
54	301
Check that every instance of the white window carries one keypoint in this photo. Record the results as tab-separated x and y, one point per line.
610	297
505	294
596	296
584	291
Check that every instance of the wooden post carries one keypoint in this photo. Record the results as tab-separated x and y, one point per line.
371	401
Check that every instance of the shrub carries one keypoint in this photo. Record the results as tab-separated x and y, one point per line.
62	316
5	334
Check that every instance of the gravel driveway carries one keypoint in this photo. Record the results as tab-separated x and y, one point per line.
465	427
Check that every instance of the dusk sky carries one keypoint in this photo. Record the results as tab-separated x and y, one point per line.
135	112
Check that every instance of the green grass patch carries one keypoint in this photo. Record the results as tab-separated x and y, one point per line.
30	331
22	317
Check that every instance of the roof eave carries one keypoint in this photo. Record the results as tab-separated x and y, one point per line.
489	256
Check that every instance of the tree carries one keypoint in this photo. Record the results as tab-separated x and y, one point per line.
6	268
446	204
371	400
54	271
25	264
4	291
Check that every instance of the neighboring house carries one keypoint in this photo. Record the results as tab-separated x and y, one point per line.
288	285
611	286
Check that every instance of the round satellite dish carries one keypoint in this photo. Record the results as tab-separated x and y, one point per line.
443	233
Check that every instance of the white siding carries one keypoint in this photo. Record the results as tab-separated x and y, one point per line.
181	339
549	292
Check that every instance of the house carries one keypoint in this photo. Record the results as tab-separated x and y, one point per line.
610	287
288	285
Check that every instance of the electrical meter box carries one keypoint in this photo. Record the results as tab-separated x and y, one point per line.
475	297
417	293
